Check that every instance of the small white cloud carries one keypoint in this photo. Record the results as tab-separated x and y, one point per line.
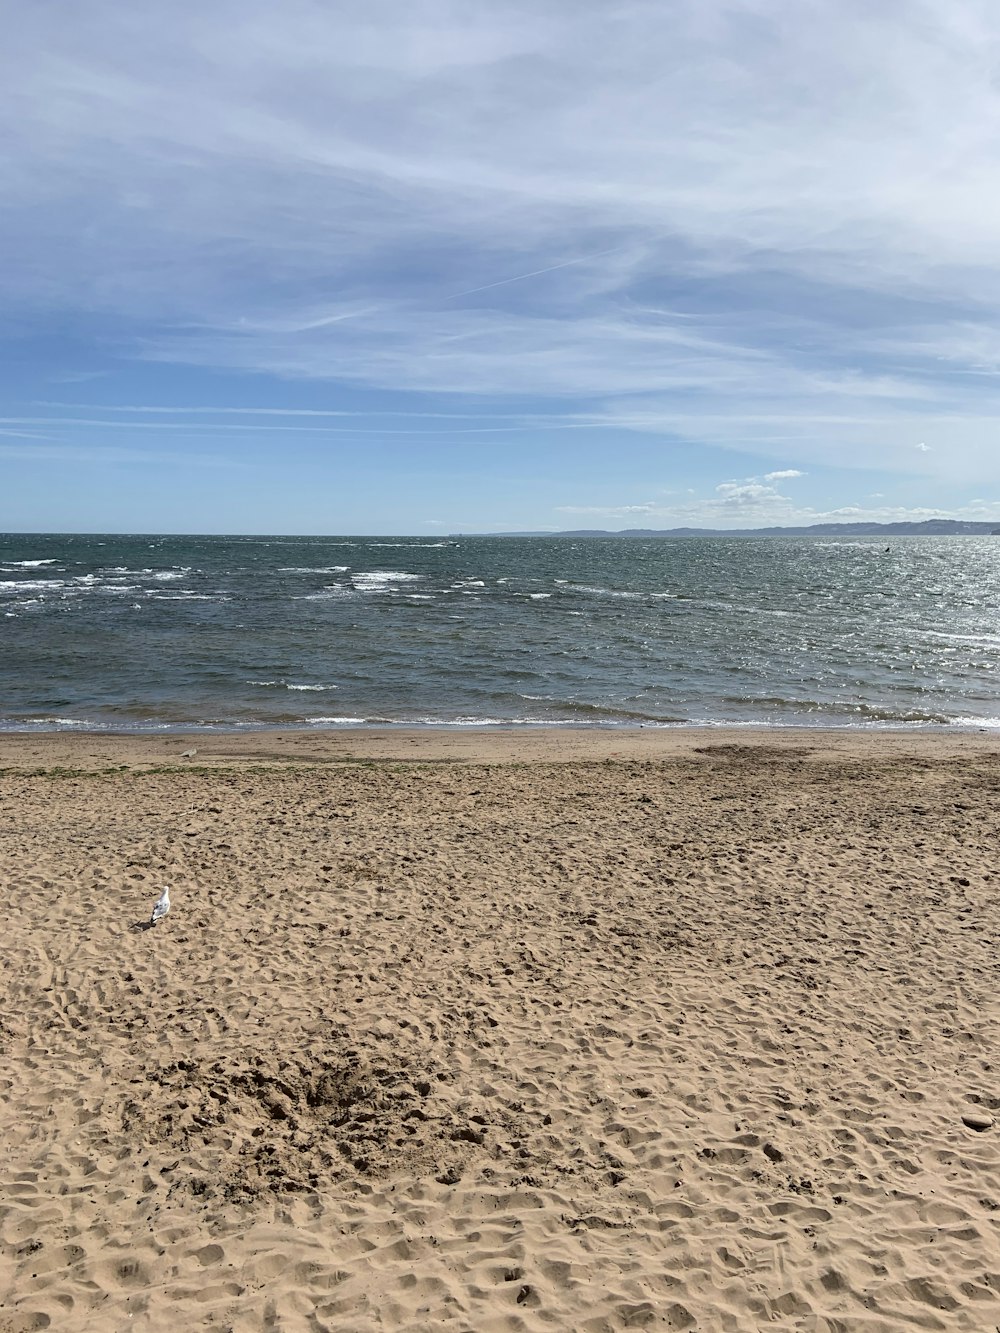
744	493
783	475
613	511
924	448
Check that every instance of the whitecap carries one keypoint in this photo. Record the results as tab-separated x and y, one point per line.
326	594
379	580
185	596
290	685
977	640
606	592
32	585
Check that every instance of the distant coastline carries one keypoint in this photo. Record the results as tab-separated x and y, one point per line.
932	527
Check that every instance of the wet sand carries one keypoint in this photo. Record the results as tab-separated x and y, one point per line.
501	1031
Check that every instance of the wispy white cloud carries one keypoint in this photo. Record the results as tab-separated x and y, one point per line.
189	428
611	511
25	434
88	455
195	411
783	475
753	225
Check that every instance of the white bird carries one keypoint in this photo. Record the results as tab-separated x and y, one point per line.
162	907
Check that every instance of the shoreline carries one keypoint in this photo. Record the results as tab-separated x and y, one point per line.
542	744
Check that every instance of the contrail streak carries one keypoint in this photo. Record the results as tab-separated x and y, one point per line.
535	273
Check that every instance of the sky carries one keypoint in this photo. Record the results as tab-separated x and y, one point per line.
425	266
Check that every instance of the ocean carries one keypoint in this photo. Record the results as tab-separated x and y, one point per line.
141	633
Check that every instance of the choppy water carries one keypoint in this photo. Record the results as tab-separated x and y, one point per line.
158	632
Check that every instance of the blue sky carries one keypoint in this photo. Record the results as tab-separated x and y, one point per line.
434	266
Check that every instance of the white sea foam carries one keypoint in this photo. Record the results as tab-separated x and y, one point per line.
313	569
185	596
380	580
539	596
58	722
32	585
146	572
337	721
290	685
608	592
30	564
977	640
326	594
496	722
446	721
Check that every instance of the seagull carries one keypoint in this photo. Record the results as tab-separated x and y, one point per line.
188	754
162	907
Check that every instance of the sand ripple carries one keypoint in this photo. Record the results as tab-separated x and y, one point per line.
593	1046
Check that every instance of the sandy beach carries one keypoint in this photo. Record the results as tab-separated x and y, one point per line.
543	1030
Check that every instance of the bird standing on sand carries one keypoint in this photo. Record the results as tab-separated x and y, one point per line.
162	907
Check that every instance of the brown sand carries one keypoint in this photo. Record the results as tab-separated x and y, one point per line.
581	1031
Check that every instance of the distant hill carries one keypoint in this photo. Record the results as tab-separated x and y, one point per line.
931	527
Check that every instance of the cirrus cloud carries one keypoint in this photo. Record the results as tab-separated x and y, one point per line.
749	228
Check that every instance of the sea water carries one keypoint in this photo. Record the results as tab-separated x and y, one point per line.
153	632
